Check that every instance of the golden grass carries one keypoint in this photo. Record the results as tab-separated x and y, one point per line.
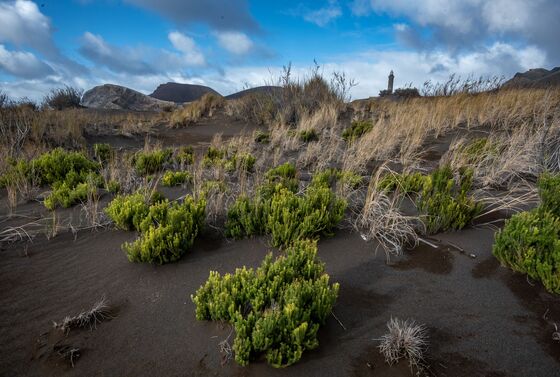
194	111
402	128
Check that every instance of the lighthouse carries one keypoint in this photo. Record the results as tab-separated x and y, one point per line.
390	83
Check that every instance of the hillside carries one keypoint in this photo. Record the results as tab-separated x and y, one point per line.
180	93
116	97
535	78
255	90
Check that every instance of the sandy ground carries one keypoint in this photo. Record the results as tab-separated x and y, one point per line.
483	319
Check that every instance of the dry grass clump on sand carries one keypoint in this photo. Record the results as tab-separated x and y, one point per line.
98	313
194	111
405	340
381	220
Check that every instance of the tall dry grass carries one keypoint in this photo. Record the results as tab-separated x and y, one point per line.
402	128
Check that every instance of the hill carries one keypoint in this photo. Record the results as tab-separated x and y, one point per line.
180	93
116	97
256	90
535	78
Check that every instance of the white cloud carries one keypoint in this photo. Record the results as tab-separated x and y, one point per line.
187	46
23	64
23	24
323	16
467	24
116	58
235	42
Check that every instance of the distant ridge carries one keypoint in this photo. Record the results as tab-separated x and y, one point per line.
180	93
256	90
535	78
116	97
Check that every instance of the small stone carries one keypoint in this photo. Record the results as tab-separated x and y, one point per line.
472	255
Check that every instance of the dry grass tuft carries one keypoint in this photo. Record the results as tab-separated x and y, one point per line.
405	340
100	312
381	220
194	111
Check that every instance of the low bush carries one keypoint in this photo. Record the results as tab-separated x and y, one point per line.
175	178
72	190
102	152
63	98
357	130
330	177
213	156
113	186
55	165
530	243
262	137
277	210
549	192
407	93
442	200
284	175
152	162
308	136
405	183
128	211
242	162
185	156
276	310
167	231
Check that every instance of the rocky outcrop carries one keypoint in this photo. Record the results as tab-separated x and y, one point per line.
115	97
535	78
181	93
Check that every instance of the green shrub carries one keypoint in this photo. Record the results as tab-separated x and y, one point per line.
175	178
277	210
262	137
55	165
102	152
185	156
293	217
404	183
242	162
530	243
308	135
549	192
276	310
478	150
167	231
213	186
357	130
128	211
330	177
281	176
72	190
350	179
444	203
113	186
213	156
152	162
18	171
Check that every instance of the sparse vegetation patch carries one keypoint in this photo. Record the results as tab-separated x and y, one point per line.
357	130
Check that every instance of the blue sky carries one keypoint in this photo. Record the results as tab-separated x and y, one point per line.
230	44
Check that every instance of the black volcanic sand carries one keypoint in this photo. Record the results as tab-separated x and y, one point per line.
483	319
